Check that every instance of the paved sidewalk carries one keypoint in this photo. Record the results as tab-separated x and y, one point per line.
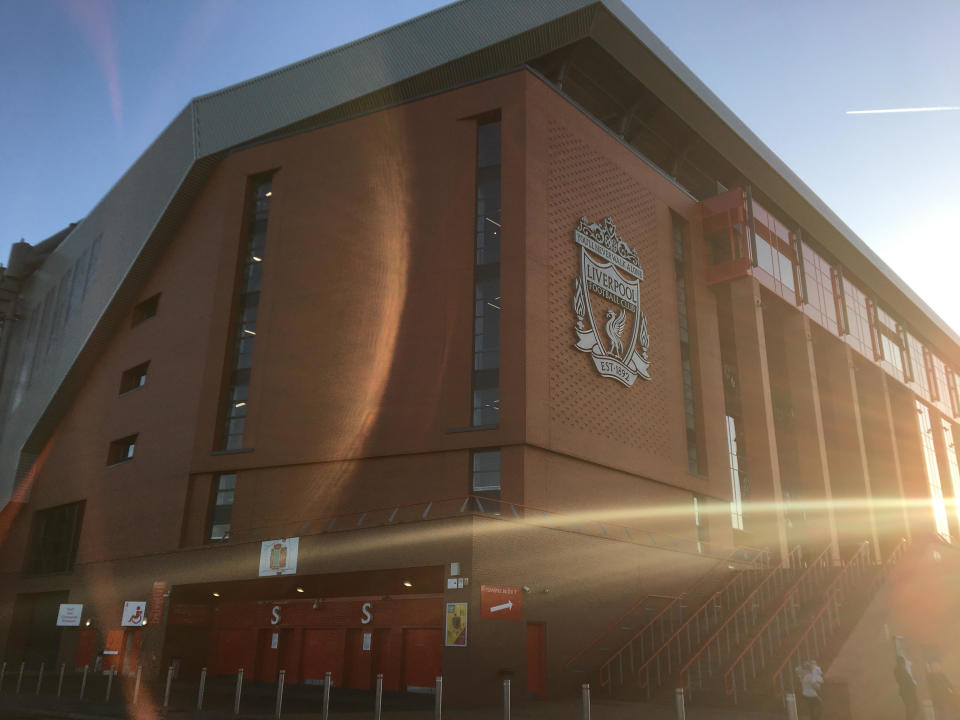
29	708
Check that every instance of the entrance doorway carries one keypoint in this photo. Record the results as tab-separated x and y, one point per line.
271	646
422	658
537	660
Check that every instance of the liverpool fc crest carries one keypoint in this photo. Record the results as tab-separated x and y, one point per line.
610	325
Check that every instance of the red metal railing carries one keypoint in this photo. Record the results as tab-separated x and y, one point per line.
827	617
740	620
672	600
780	623
701	622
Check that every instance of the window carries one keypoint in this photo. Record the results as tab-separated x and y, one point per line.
145	310
121	450
952	391
234	409
486	284
953	462
694	453
700	521
54	538
135	377
224	488
933	472
736	496
485	480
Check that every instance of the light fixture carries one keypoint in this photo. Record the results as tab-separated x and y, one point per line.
257	259
407	583
300	589
144	622
249	332
239	404
87	623
216	594
268	193
526	588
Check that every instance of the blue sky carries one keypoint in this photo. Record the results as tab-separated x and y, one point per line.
88	84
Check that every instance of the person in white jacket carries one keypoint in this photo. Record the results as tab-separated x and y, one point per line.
811	680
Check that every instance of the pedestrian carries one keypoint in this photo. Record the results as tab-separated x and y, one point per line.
907	687
941	693
810	683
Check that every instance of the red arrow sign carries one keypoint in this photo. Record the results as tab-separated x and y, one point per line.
501	603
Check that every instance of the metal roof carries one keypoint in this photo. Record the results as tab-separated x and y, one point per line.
459	43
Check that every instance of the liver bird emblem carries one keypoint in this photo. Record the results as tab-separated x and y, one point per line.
614	328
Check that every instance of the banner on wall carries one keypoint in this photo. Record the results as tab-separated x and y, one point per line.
456	625
279	557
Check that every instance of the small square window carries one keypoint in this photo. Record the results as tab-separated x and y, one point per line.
121	450
145	310
485	479
135	377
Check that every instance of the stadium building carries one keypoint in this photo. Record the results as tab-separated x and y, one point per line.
490	345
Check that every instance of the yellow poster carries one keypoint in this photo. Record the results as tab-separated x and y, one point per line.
456	625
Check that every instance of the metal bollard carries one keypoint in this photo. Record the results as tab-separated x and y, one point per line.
110	676
378	697
136	685
63	667
681	708
585	692
20	677
326	696
506	699
166	692
927	709
237	692
203	686
40	678
83	682
438	699
791	701
283	675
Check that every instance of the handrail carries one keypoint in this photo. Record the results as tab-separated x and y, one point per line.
701	609
787	597
631	640
832	591
758	636
726	622
673	599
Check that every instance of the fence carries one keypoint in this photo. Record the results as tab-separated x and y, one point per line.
827	617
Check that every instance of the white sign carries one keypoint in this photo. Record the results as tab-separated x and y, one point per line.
69	615
134	613
274	641
279	557
606	301
366	641
366	613
275	615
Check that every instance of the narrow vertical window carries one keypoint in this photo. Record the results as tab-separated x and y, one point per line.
953	463
933	472
694	453
700	521
736	496
222	510
486	285
244	324
952	390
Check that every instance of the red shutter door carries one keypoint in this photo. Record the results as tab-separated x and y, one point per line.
422	658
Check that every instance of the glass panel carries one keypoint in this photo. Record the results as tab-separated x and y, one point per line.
933	472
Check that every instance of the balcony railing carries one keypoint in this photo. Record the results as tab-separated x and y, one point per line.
585	523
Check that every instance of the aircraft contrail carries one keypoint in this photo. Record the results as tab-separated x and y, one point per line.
903	110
